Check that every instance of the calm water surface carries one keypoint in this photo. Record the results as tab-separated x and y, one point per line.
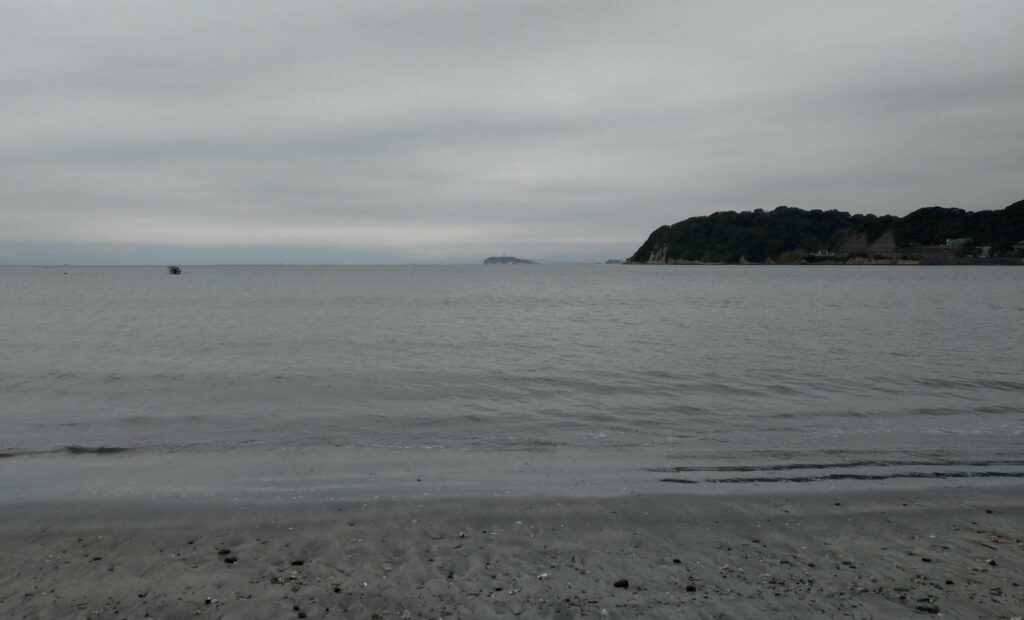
686	373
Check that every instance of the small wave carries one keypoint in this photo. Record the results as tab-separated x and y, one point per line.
77	449
842	465
11	455
74	449
966	384
998	409
914	474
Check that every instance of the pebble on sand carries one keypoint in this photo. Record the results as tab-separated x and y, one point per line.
622	583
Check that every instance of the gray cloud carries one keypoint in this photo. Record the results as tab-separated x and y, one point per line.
404	131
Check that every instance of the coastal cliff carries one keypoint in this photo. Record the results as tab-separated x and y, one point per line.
934	235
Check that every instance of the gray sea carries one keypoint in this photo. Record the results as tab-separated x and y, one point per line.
285	382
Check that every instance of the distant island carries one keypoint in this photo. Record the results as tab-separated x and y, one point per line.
786	235
507	260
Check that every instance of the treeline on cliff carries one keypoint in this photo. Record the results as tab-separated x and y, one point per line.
759	235
933	225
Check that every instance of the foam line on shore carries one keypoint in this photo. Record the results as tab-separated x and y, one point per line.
835	465
938	475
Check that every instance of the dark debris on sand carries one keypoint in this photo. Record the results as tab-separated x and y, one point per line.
767	556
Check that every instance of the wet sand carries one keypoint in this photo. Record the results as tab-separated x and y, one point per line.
879	554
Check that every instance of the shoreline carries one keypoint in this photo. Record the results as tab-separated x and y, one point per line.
828	553
352	474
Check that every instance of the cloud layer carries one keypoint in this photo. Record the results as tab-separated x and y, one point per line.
444	131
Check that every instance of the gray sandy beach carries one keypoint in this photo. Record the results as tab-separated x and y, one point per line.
958	553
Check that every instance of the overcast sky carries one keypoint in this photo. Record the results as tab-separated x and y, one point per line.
445	131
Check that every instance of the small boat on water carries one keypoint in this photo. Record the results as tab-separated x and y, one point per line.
174	270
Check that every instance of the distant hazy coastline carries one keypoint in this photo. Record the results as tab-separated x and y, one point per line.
507	260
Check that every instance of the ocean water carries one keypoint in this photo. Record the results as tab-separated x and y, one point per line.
298	379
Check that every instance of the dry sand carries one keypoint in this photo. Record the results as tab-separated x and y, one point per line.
883	554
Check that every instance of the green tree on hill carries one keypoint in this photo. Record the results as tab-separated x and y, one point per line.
759	236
